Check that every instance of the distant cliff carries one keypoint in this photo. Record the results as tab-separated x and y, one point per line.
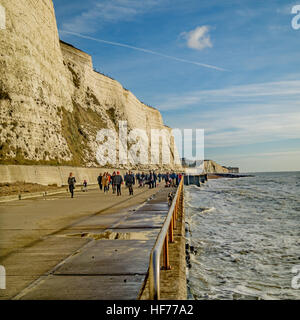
52	102
211	166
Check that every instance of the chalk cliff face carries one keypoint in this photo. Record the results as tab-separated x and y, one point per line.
33	83
52	102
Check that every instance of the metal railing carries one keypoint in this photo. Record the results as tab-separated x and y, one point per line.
165	237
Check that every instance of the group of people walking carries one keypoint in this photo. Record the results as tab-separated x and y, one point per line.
149	179
115	180
172	179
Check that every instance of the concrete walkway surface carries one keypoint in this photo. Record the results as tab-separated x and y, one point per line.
94	246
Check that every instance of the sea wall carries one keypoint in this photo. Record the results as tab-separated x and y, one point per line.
48	175
52	102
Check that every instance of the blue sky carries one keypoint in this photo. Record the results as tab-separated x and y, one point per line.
230	67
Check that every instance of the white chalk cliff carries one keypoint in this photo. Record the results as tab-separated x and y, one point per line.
52	102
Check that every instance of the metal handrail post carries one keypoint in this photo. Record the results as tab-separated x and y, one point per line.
171	230
166	254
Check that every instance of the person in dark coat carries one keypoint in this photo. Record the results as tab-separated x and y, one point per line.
71	183
159	177
113	182
130	182
177	179
173	178
154	179
151	180
143	177
118	181
100	181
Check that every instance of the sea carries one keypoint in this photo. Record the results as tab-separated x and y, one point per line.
245	238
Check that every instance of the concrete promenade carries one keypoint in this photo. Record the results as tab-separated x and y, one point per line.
94	246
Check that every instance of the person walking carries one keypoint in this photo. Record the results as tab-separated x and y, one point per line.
138	178
100	181
154	179
141	180
159	177
143	177
151	180
105	182
168	180
173	178
130	182
113	183
177	179
109	180
118	181
84	186
71	183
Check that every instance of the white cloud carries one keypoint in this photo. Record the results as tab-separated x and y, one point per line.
124	45
282	90
230	129
198	38
241	115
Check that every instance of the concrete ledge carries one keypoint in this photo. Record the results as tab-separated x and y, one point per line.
23	196
49	175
